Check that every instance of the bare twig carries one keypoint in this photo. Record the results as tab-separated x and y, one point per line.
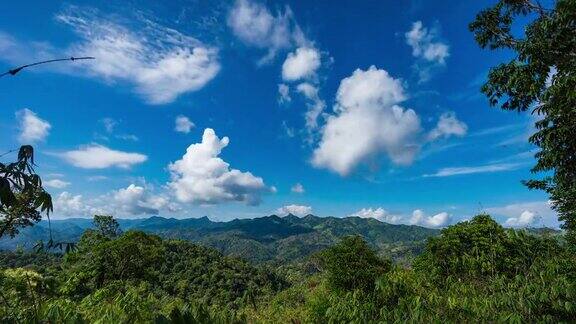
20	68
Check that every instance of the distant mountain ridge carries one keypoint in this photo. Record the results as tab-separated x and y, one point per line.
264	239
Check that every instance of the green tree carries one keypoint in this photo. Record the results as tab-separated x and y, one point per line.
131	256
540	78
22	197
352	264
481	248
107	225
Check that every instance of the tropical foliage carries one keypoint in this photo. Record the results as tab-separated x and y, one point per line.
541	78
134	276
473	271
22	197
459	278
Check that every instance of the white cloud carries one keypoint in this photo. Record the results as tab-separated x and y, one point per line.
130	201
297	210
136	200
284	93
425	44
202	177
524	214
368	121
418	217
315	104
298	188
32	128
256	26
498	167
95	156
67	204
526	219
183	124
435	221
301	64
161	63
56	183
430	52
379	214
158	62
447	126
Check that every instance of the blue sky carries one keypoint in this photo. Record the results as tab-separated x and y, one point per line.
240	109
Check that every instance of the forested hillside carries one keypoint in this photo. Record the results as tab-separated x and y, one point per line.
474	270
265	239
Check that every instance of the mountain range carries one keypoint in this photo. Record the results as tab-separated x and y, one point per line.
264	239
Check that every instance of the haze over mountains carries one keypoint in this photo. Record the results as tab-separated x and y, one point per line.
265	239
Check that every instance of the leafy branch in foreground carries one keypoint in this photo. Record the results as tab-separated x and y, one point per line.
540	78
22	197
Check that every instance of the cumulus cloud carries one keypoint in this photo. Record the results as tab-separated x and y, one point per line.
425	44
202	177
95	156
56	183
435	221
136	200
489	168
525	214
297	210
256	26
526	219
367	120
298	188
183	124
427	48
67	204
379	214
448	125
418	217
133	200
301	64
32	128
